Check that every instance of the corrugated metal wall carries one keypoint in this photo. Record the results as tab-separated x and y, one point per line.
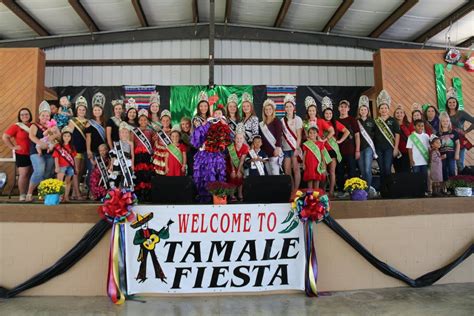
194	75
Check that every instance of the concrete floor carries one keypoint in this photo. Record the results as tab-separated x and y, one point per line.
450	299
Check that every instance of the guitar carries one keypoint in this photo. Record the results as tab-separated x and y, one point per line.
151	242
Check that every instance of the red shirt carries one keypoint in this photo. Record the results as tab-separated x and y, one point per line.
61	160
22	138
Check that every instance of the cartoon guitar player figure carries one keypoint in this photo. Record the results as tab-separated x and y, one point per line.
147	238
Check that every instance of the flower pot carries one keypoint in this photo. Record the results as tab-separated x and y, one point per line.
52	199
463	191
219	200
359	195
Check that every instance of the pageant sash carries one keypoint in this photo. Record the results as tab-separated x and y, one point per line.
103	171
234	158
79	126
199	120
156	126
233	126
164	137
268	135
335	146
66	155
288	134
23	127
99	128
367	138
143	139
127	175
259	164
419	145
317	153
174	150
116	121
386	131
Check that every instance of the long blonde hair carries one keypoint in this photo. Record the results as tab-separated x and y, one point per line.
266	120
445	115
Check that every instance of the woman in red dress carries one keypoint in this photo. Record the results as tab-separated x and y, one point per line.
238	150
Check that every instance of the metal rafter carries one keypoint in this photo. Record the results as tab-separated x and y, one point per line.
467	43
452	18
345	5
139	11
195	11
25	17
228	11
394	17
282	13
85	17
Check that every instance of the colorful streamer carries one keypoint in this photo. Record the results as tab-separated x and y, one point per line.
457	85
440	86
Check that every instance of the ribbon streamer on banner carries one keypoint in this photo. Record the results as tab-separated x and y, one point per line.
311	271
457	85
440	86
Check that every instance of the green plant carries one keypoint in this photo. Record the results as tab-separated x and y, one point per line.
460	181
220	188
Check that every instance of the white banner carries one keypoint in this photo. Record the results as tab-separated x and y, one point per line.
207	248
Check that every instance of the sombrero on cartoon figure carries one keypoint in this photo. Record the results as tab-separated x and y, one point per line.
141	219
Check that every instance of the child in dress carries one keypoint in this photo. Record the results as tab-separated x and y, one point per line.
436	165
50	137
176	158
256	159
235	160
160	150
65	167
98	184
315	157
124	146
64	113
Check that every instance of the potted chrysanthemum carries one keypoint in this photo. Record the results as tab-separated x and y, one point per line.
220	190
51	190
357	188
461	185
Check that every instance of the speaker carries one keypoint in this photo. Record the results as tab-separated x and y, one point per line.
267	189
467	171
172	190
403	185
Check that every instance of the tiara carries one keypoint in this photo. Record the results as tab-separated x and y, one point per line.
81	101
131	104
416	107
240	129
44	107
309	101
246	97
125	125
383	98
269	102
232	98
203	96
143	112
364	101
451	93
155	98
66	129
116	102
326	103
165	113
98	99
289	98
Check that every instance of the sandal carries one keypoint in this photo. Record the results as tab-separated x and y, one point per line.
29	198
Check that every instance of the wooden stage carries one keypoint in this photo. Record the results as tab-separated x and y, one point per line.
413	235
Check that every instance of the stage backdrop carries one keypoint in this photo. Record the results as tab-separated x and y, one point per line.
203	249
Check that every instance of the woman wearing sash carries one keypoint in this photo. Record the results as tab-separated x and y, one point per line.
132	113
458	118
402	163
77	125
249	118
113	123
143	166
272	133
43	165
387	136
431	115
19	132
233	115
154	112
212	138
367	133
325	130
160	151
292	126
238	151
203	112
332	144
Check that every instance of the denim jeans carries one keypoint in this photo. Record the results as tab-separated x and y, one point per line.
365	165
449	167
43	167
460	162
423	170
384	159
347	166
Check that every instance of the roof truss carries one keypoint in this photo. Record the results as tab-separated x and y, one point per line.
228	11
139	11
345	5
394	17
282	13
25	17
85	17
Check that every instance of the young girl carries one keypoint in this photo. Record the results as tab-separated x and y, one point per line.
122	158
291	141
160	150
65	166
132	112
436	165
176	158
249	118
238	151
64	113
314	159
450	146
99	184
153	112
142	140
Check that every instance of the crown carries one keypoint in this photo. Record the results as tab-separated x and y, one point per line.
67	129
155	98
131	104
240	129
165	113
312	124
233	98
124	125
81	101
246	97
143	112
309	101
383	98
364	101
98	99
44	107
203	96
269	102
416	107
451	93
176	128
116	102
326	103
289	98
